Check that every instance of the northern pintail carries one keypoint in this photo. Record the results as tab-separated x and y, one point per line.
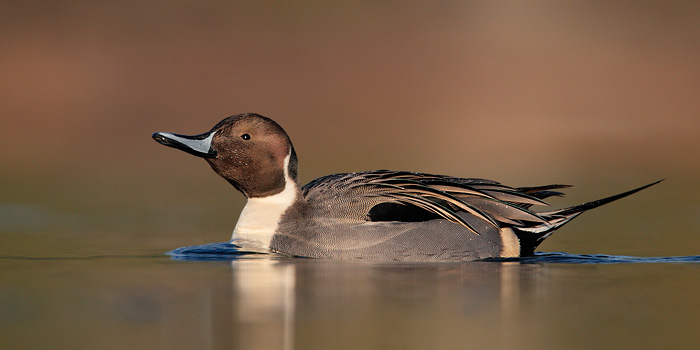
374	215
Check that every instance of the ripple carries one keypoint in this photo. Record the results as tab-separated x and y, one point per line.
212	251
567	258
230	251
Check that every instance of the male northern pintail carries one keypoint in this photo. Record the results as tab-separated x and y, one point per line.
373	215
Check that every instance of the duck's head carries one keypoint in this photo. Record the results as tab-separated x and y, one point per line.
250	151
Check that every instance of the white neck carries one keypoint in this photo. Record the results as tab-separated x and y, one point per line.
261	216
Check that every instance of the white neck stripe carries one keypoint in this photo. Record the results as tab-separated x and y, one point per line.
261	216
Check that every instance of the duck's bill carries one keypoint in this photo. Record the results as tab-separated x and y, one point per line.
198	145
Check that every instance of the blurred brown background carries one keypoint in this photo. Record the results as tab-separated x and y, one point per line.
604	95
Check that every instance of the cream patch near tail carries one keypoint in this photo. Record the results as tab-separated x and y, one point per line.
511	243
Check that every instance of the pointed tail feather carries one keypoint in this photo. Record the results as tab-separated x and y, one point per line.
594	204
531	237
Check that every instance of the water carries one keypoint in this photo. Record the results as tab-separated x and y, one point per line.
228	251
215	296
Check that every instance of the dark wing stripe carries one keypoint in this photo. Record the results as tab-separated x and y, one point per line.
434	208
511	212
546	194
512	196
462	190
418	188
459	204
469	181
416	191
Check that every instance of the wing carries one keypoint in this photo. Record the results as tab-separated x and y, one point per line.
384	195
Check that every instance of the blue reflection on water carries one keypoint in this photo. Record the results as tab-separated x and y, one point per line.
211	251
229	251
567	258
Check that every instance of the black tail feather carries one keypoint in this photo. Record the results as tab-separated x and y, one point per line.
594	204
531	237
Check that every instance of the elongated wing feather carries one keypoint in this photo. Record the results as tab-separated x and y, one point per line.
494	204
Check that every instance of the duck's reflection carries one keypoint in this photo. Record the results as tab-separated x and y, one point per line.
264	302
336	304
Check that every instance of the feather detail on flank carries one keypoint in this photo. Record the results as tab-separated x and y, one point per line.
261	216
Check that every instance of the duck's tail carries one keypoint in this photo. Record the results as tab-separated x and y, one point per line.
531	236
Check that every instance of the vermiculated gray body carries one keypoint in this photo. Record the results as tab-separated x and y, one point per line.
434	240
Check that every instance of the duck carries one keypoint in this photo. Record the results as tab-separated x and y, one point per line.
379	215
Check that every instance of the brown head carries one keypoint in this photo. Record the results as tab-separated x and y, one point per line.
248	150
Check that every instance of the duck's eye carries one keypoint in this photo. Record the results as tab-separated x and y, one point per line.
245	137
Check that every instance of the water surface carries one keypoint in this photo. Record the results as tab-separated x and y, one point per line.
215	297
